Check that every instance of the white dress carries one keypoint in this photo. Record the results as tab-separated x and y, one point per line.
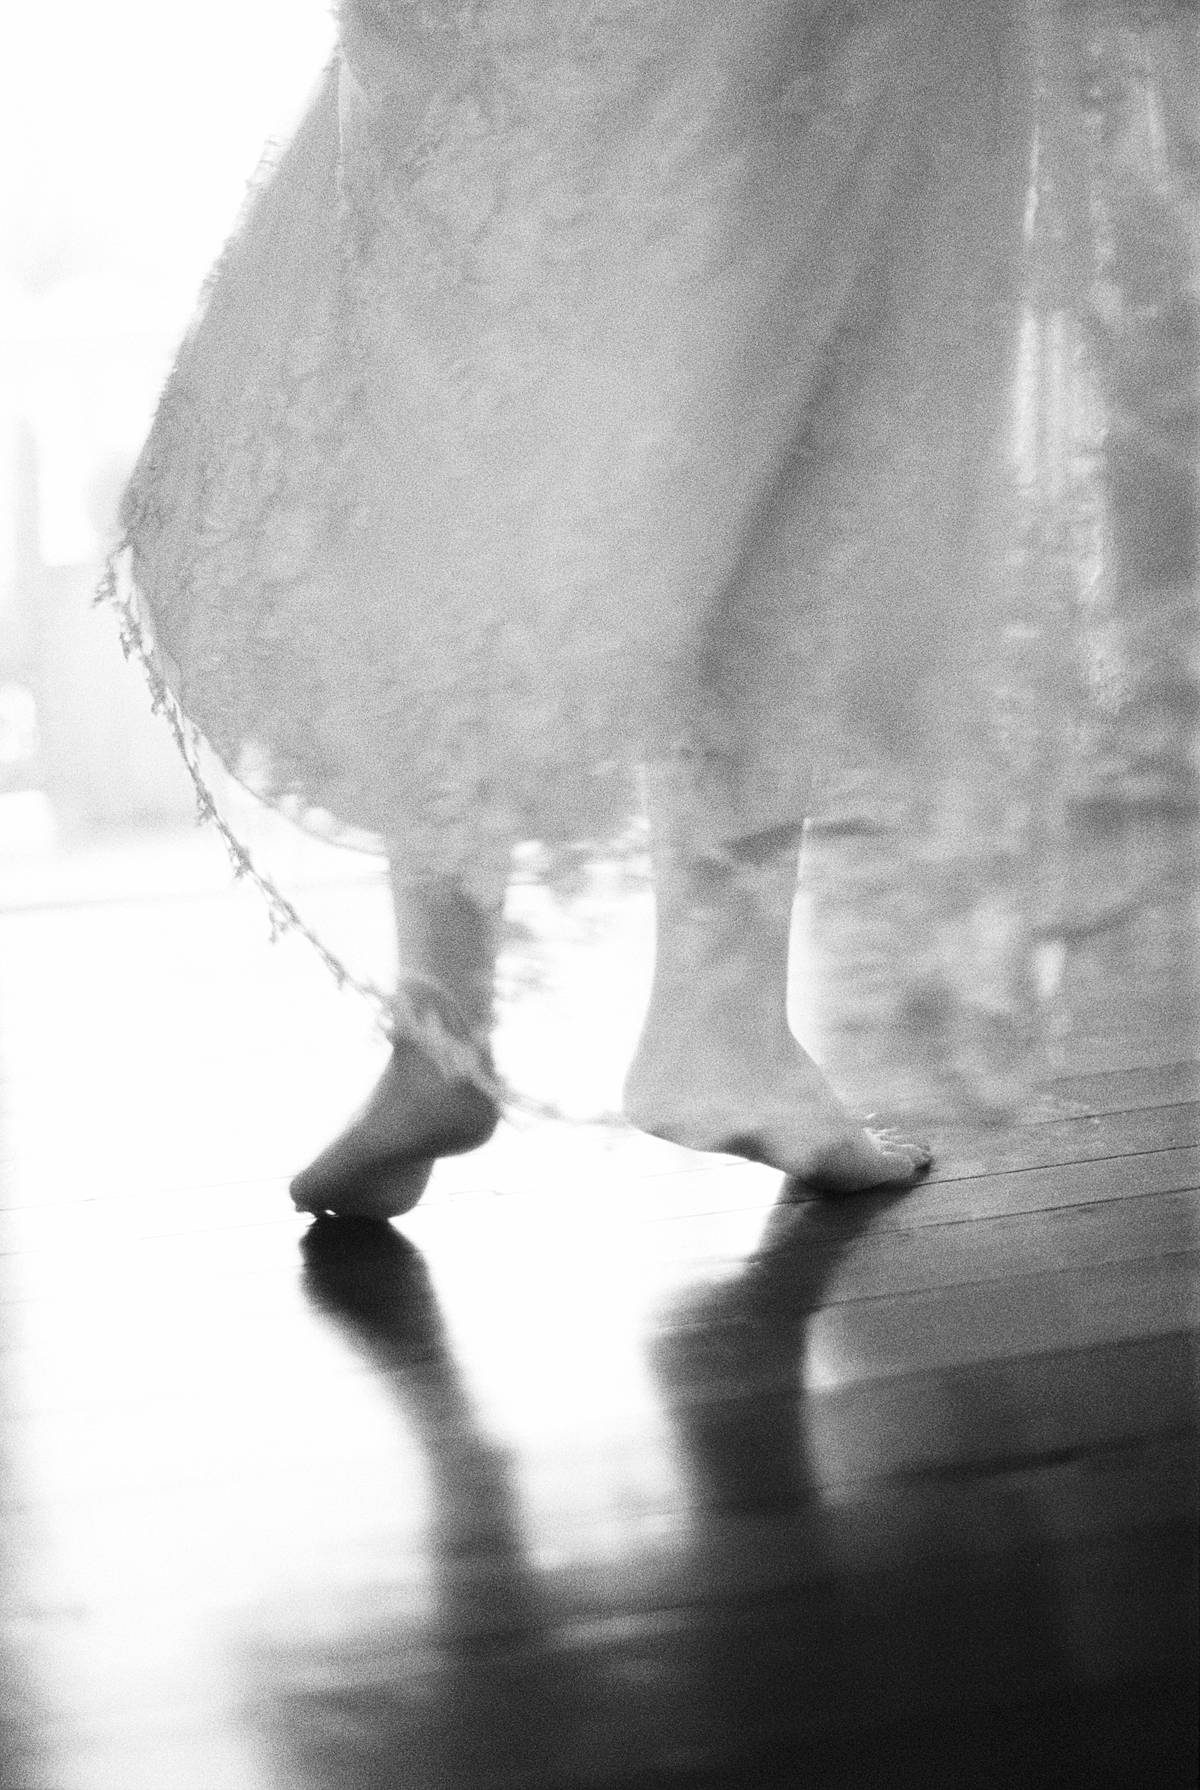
794	385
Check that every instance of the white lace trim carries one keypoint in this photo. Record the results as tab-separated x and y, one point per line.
395	1014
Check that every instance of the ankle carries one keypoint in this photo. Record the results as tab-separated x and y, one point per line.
454	1036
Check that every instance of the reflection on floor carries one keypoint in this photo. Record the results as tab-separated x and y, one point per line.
611	1466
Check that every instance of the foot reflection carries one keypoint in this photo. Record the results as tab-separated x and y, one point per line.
899	1591
730	1361
375	1285
821	1593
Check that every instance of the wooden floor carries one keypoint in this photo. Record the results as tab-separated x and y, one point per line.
610	1466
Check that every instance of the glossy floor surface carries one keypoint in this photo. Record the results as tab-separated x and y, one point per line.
611	1466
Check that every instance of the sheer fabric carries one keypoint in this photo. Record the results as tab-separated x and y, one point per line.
800	396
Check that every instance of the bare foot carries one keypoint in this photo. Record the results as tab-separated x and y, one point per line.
379	1166
770	1106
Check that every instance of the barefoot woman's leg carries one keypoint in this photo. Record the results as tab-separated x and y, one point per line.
419	1110
717	1067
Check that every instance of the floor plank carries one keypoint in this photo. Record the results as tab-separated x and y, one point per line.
1125	1090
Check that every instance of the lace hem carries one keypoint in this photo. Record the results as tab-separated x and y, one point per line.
396	1014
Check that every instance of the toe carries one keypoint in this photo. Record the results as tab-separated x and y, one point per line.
915	1151
386	1190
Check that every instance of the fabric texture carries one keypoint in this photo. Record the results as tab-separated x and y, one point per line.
802	391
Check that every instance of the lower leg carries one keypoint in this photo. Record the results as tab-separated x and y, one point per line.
446	942
717	1067
435	1096
721	952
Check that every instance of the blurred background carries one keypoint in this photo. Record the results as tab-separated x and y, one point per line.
129	136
